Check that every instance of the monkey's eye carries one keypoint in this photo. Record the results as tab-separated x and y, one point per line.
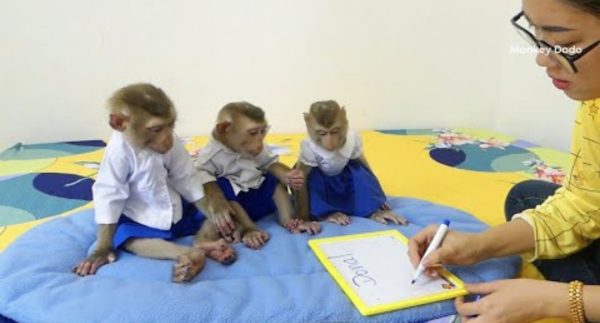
156	129
321	133
257	131
334	131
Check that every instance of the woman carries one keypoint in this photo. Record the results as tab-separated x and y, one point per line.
564	227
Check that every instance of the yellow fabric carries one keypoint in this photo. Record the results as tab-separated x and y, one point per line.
570	220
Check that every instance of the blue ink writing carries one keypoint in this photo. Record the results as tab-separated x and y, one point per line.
360	276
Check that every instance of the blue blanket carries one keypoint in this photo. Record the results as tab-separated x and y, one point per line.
283	282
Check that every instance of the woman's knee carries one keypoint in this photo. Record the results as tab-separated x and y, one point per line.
526	195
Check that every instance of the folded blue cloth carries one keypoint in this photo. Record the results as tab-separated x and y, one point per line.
282	282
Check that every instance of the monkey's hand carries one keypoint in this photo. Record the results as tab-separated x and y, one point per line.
96	260
338	218
221	214
300	226
294	179
383	216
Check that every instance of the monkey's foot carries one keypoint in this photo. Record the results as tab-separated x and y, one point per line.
237	235
188	265
255	239
338	218
292	225
300	226
218	250
383	216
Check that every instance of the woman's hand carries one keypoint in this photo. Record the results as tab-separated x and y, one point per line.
457	248
515	300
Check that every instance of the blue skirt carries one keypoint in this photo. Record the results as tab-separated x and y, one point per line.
258	203
190	223
355	191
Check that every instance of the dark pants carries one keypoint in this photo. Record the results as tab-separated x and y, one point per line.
583	265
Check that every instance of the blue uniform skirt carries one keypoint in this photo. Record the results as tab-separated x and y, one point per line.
258	202
355	191
190	223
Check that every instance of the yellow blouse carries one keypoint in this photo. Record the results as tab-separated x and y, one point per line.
570	219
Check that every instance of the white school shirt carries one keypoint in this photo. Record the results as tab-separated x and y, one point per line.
144	185
217	160
331	162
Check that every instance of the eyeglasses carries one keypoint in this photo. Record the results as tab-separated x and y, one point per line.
566	56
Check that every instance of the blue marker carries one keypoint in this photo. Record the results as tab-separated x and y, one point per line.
435	243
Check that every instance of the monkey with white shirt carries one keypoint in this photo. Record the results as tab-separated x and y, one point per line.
244	178
339	180
148	193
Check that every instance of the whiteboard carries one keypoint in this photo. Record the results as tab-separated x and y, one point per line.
374	270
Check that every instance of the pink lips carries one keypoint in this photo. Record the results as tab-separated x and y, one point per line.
561	84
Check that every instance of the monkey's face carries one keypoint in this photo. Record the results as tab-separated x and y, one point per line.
247	137
330	138
154	133
327	125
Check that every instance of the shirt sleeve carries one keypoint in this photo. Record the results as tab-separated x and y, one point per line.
266	158
307	155
184	178
111	189
562	225
207	169
569	220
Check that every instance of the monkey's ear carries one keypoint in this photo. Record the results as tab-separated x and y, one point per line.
307	117
343	111
223	127
117	122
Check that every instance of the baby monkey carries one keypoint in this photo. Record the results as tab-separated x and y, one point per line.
244	179
148	193
340	182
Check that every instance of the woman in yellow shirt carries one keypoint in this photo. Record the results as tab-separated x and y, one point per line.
548	222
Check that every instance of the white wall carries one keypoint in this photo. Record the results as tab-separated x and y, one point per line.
395	64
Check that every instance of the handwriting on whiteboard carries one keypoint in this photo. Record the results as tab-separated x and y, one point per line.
360	276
